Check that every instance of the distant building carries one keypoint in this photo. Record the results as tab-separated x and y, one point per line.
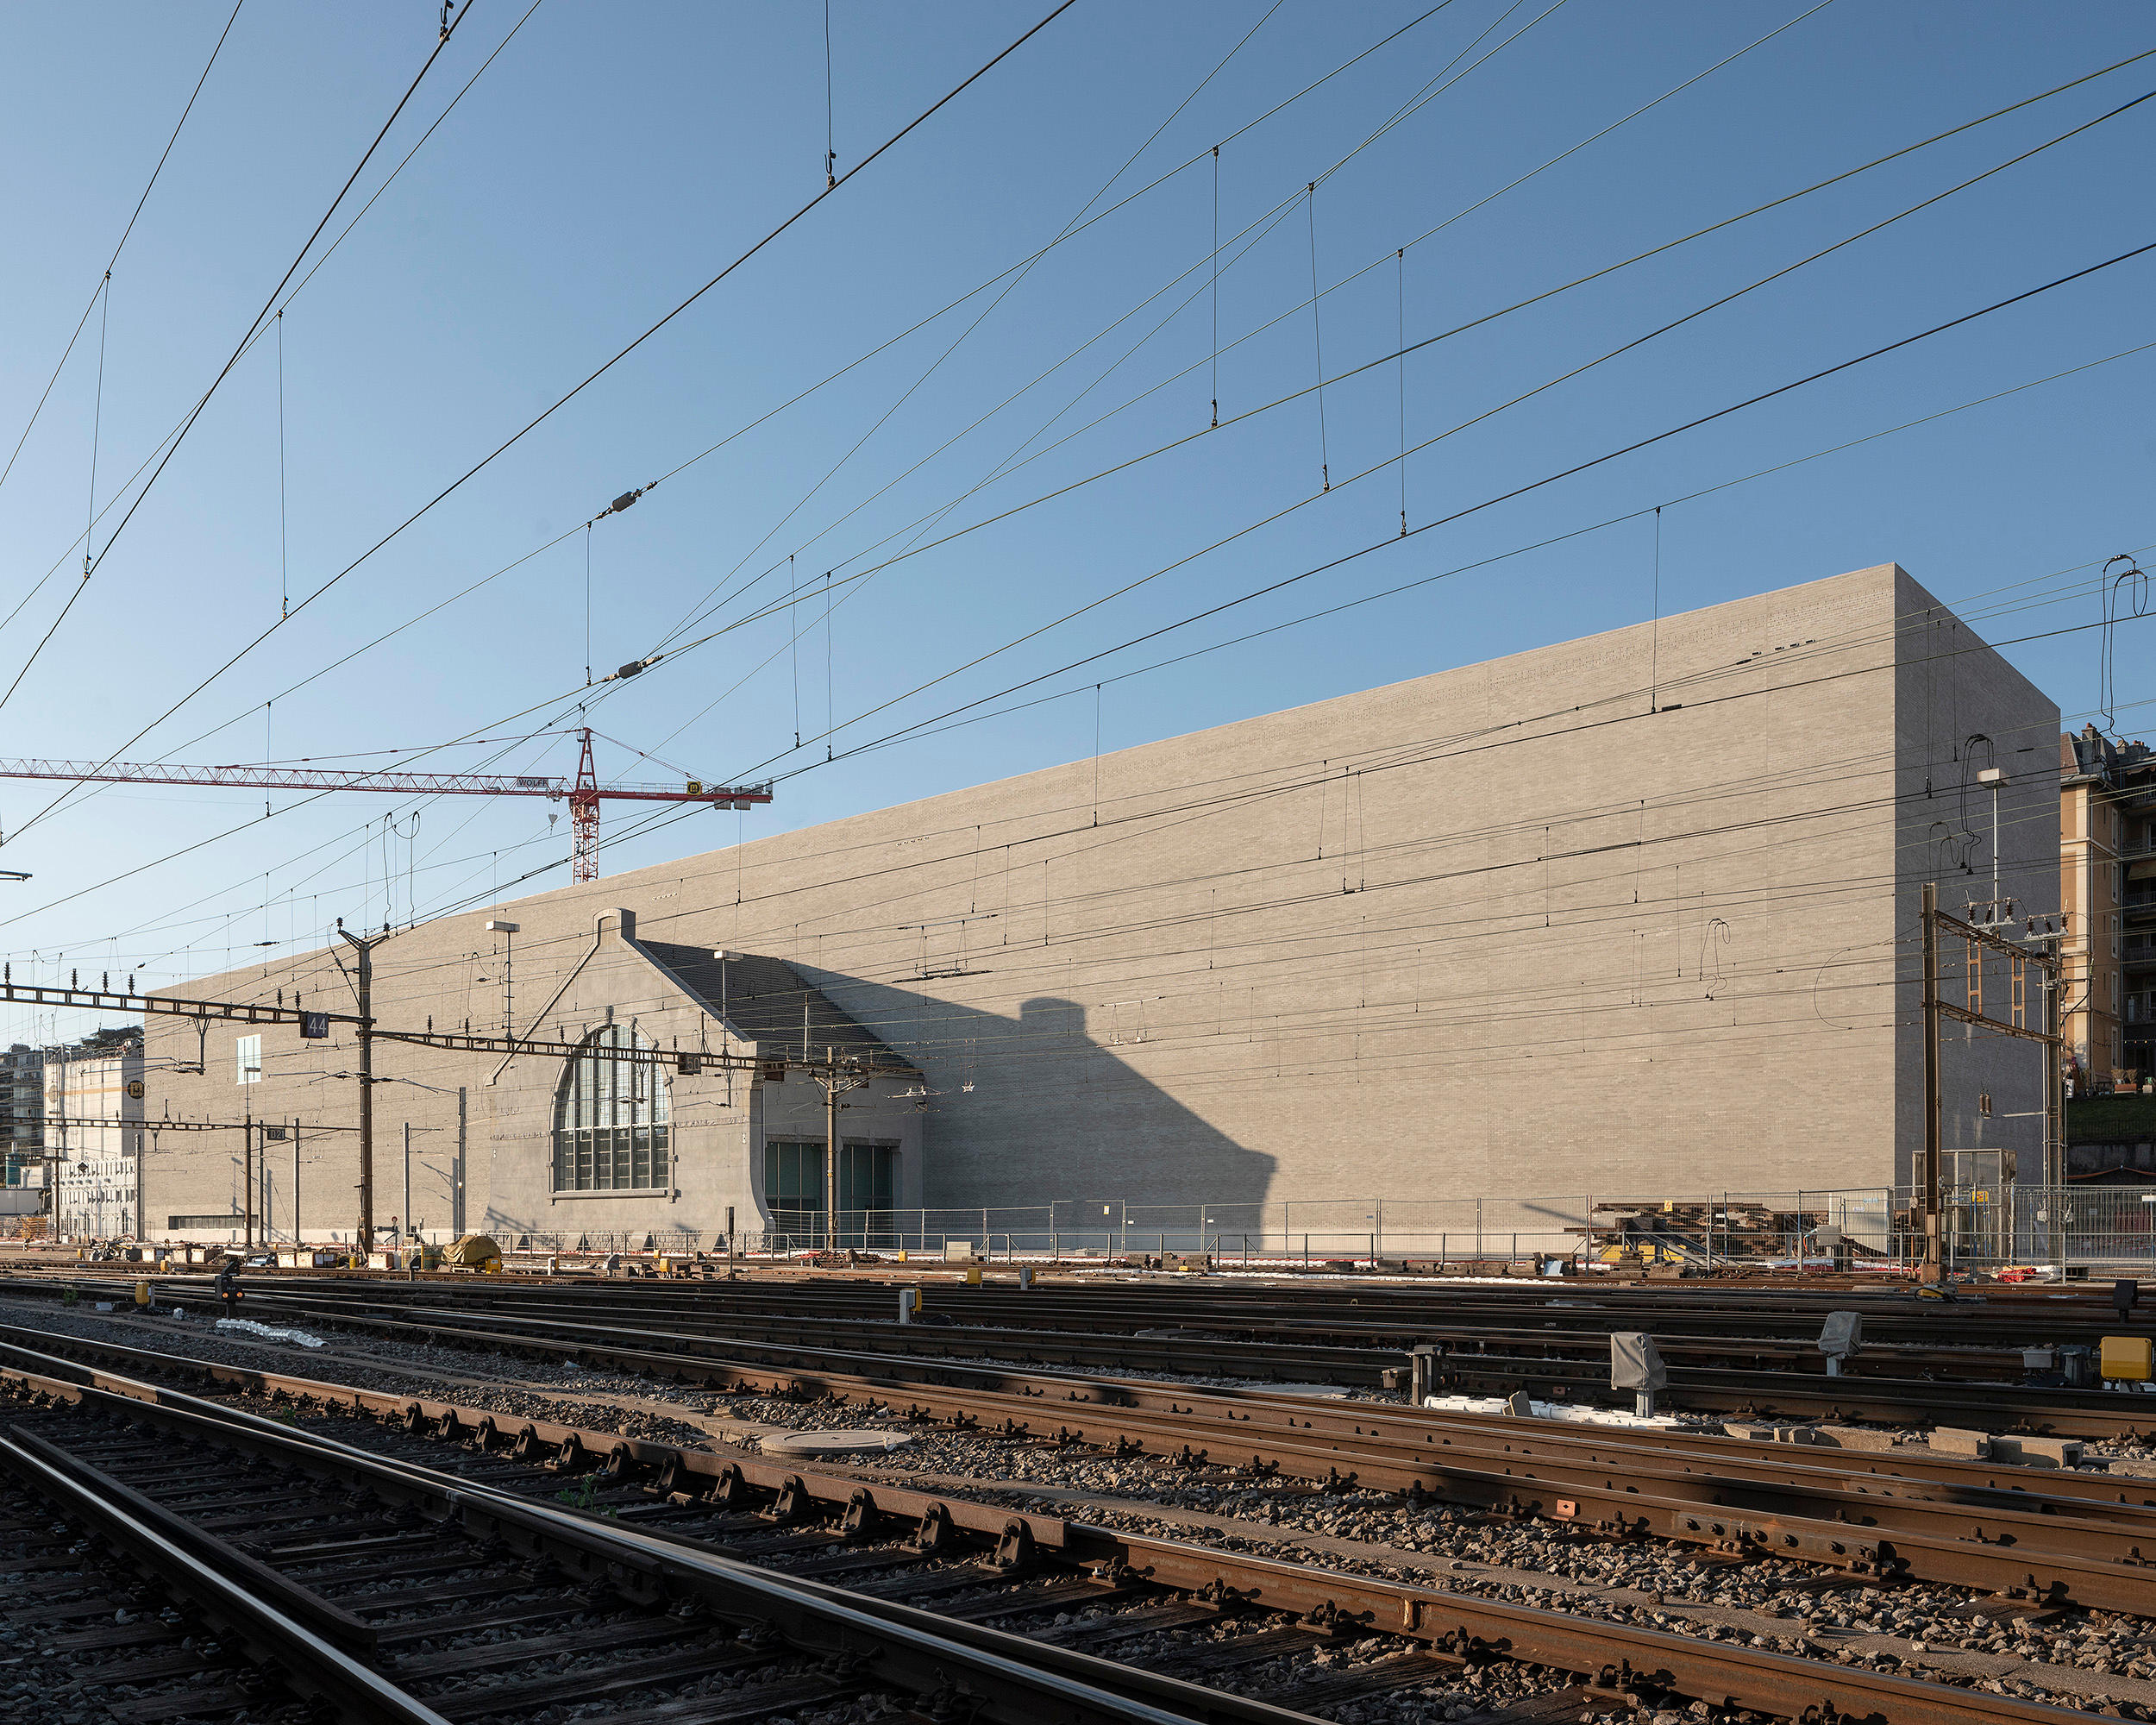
93	1112
2106	837
21	1130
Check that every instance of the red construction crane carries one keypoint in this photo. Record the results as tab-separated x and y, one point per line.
584	795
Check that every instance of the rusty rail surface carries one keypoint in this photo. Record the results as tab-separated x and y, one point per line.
1961	1533
1621	1663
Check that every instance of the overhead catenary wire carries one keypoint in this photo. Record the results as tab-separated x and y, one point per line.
1724	485
560	401
172	447
1178	442
1777	467
134	215
1010	281
292	293
1950	132
1505	497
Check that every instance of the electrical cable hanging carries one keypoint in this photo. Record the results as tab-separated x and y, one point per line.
1317	337
284	586
133	218
96	427
793	624
1216	287
2135	583
587	605
560	401
831	149
1504	497
1400	288
1654	637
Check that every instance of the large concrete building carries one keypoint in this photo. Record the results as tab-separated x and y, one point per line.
1631	916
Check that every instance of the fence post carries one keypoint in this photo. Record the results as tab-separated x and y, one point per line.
1478	1227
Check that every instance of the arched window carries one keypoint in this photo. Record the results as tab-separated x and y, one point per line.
610	1120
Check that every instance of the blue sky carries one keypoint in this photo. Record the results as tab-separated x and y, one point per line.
611	160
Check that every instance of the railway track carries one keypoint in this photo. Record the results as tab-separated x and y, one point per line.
1012	1328
416	1566
953	1359
1344	1311
2060	1536
1726	1352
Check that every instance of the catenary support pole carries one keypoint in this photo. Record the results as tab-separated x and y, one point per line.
1931	1271
830	1151
364	1234
295	1234
456	1192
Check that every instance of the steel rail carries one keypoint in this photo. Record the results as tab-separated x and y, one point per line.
1231	1417
1386	1314
2027	1548
1364	1365
1619	1658
894	1644
2081	1413
308	1662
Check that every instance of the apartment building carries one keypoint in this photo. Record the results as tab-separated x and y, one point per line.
2107	835
93	1111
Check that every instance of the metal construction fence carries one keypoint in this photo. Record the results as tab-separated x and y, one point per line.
1987	1229
2087	1228
1703	1228
1983	1229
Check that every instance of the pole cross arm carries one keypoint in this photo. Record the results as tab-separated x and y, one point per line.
1962	1015
100	1000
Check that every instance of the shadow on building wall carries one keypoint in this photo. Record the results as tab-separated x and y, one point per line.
1058	1109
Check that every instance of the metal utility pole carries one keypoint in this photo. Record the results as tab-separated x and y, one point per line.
2039	947
295	1180
830	1152
247	1180
456	1192
365	1233
2054	1084
404	1227
1932	1123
